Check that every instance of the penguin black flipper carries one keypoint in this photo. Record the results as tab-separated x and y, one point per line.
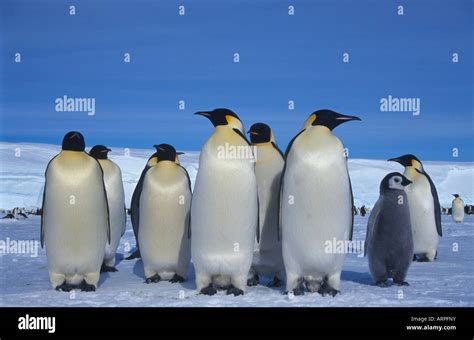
258	220
42	203
106	199
373	221
352	207
189	183
237	131
124	208
281	179
135	202
278	149
437	207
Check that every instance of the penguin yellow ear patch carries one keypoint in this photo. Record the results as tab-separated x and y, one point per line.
229	119
310	120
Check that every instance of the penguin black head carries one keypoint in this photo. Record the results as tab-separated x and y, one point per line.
222	116
166	152
99	151
394	181
455	195
408	160
73	141
328	118
260	133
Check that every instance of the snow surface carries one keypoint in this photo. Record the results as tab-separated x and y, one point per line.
445	282
25	282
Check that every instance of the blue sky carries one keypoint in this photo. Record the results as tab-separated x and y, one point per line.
282	58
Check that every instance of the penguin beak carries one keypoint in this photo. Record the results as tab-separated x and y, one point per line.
203	113
344	118
108	150
406	181
179	153
394	160
252	132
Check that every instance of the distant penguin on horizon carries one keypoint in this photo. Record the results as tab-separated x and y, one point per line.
389	240
116	200
75	222
457	209
316	205
224	209
164	230
267	258
425	210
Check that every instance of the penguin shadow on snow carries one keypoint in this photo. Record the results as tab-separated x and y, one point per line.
107	275
138	269
357	277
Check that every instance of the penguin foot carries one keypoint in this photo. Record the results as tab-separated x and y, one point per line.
135	255
276	282
253	281
326	289
85	287
382	284
234	290
298	290
153	279
401	283
176	278
414	258
422	258
209	290
106	269
64	287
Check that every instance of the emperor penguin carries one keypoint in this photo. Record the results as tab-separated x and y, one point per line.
224	209
134	205
267	257
116	199
75	221
316	205
164	226
389	241
457	209
425	210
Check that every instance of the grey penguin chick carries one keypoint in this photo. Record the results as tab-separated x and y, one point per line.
389	240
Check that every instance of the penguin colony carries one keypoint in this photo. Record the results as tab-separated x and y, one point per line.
260	214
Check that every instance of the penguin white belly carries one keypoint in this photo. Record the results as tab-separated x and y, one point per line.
75	219
268	258
164	221
425	236
224	219
116	200
316	209
457	211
